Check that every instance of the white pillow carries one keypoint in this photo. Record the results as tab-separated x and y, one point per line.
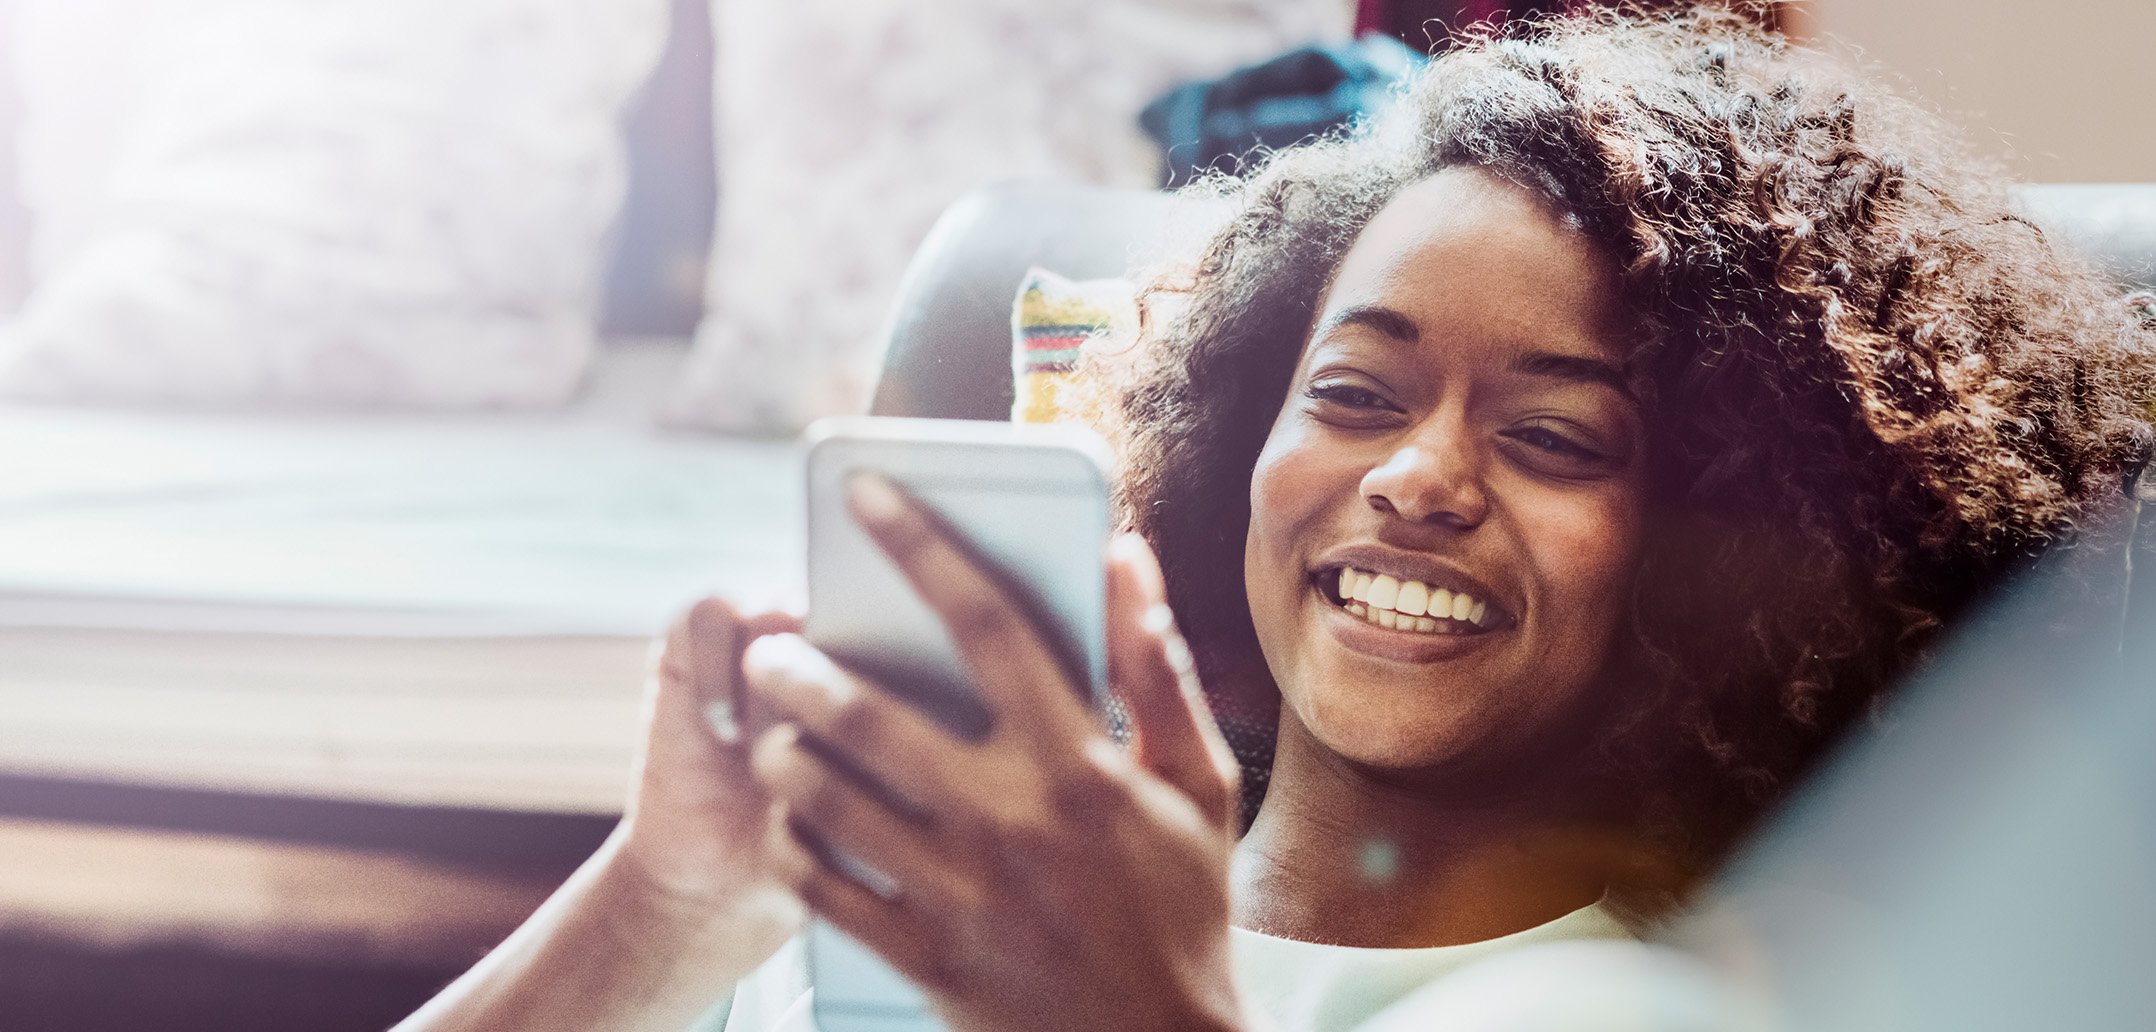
380	202
845	126
14	222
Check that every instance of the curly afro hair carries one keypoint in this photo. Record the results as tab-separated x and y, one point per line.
1874	388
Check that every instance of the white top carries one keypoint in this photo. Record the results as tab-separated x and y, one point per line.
1293	986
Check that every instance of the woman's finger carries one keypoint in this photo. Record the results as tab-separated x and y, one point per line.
764	622
882	736
755	627
1000	640
1151	670
904	935
700	660
891	852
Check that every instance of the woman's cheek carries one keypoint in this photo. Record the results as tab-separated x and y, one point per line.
1592	547
1282	487
1287	495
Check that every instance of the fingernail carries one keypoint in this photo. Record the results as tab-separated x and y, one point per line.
720	715
1178	655
874	498
758	654
1130	549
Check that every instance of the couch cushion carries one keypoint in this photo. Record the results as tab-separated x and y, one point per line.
1055	322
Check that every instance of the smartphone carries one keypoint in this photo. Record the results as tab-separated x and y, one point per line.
1030	502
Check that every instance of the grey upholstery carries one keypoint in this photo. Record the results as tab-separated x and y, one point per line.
2115	223
949	336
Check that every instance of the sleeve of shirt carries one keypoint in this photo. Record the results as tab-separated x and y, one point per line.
772	999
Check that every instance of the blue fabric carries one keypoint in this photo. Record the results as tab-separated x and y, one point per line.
1303	93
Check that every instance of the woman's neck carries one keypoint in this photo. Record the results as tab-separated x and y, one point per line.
1338	855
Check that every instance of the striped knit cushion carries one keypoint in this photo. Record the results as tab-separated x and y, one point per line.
1054	318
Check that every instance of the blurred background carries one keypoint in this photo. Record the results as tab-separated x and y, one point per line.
377	375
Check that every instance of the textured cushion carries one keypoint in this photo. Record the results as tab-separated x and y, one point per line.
1054	321
393	202
844	128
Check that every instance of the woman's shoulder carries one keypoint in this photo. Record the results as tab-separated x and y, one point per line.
1318	987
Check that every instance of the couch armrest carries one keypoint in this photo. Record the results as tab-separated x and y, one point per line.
949	335
2113	223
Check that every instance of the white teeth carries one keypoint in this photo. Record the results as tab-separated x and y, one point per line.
1384	591
1414	599
1387	601
1390	620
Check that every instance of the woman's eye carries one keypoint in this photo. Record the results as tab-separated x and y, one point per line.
1347	395
1556	444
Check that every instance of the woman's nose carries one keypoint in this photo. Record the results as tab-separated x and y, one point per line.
1437	482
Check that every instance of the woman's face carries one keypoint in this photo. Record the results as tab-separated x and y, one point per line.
1457	451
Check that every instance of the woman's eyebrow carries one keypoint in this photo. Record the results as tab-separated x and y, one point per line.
1393	323
1389	321
1573	369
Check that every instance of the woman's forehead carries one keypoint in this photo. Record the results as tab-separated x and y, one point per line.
1465	257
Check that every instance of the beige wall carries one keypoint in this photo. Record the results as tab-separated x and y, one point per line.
2069	86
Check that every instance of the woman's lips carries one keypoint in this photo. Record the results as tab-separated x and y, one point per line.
1360	633
1411	604
1444	605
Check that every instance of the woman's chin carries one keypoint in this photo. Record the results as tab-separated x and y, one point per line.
1380	738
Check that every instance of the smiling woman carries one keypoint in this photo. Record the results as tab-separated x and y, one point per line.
1723	375
1455	424
1563	467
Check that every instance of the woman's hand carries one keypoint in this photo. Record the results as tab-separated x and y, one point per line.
696	830
1041	877
683	900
